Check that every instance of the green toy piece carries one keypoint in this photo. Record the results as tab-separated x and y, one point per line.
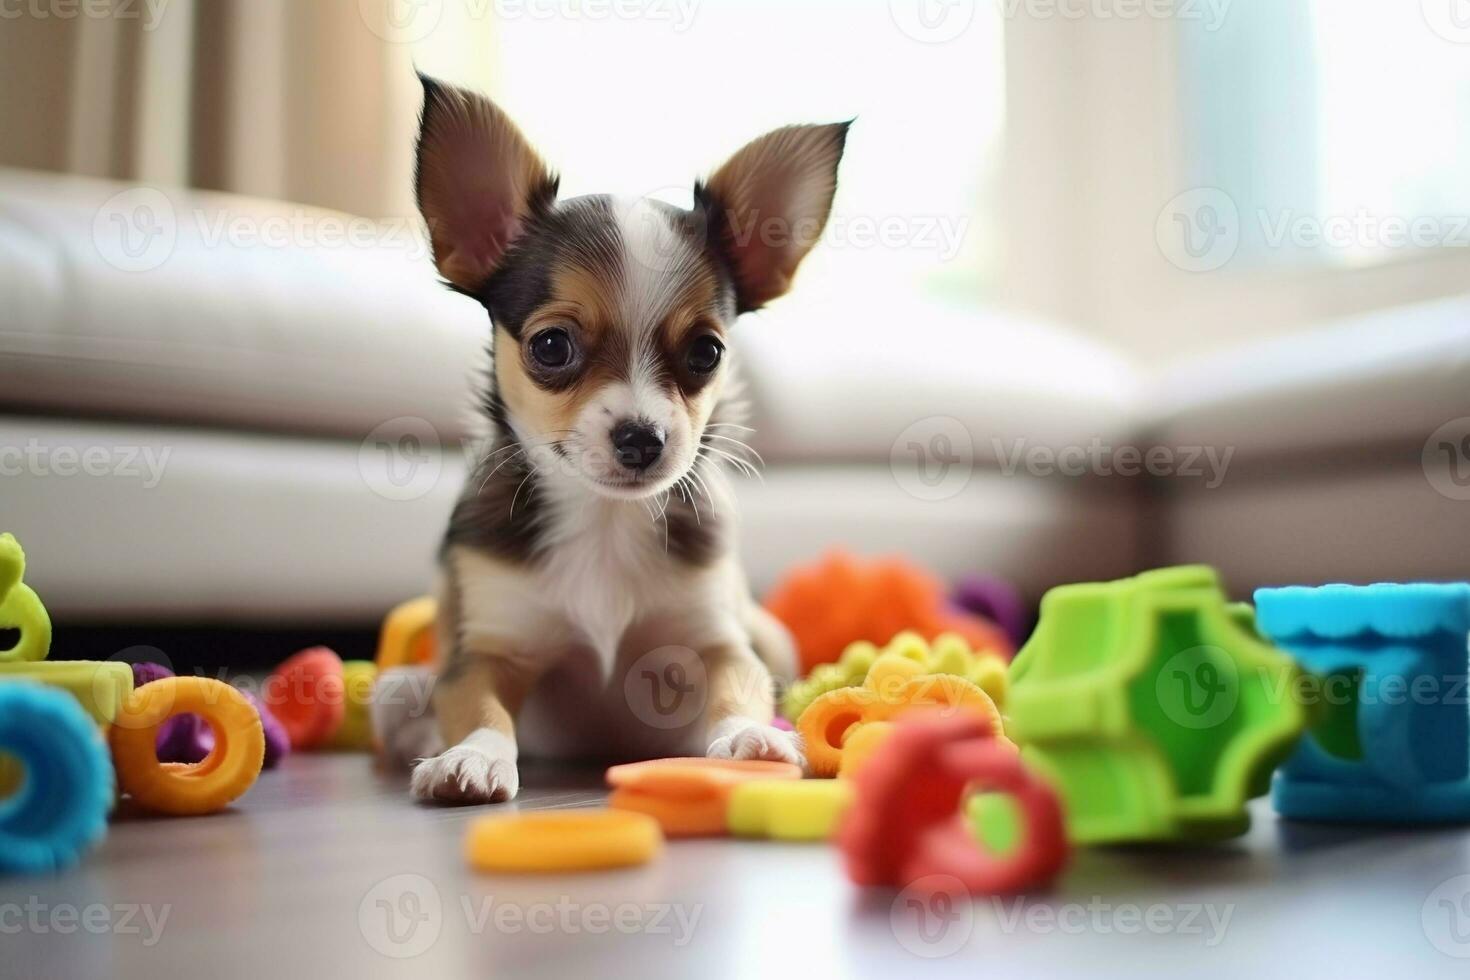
20	607
99	687
1153	706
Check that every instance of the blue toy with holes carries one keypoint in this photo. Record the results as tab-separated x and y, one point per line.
59	776
1391	742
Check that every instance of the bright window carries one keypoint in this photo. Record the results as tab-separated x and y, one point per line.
643	104
1339	128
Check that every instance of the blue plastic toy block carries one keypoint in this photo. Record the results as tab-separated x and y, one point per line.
1391	741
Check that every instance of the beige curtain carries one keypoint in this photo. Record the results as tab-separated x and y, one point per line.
304	100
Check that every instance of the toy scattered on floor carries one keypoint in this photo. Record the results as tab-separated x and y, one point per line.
910	824
949	654
63	788
307	694
1391	743
223	776
859	745
895	685
20	607
562	841
355	734
1153	706
996	600
187	739
407	637
842	600
789	810
689	797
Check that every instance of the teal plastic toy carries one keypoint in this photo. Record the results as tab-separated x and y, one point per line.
20	608
1392	739
1153	706
57	806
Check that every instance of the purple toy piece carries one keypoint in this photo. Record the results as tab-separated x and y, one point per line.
146	673
188	739
997	601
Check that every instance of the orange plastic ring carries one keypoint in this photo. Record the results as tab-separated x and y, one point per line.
566	840
825	724
224	775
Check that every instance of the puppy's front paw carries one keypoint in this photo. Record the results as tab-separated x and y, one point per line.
740	738
481	769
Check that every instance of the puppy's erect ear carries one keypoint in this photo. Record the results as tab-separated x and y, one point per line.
769	203
478	182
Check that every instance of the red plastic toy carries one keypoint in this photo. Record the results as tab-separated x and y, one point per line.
308	696
841	599
907	822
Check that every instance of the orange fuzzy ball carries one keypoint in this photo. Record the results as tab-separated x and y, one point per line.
842	599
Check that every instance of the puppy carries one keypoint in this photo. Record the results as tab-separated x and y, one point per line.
589	573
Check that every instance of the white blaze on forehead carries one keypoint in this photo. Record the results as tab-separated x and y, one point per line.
659	264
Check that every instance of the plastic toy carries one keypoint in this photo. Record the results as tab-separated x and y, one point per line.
408	634
995	600
20	607
841	600
688	797
1153	706
893	687
860	744
307	695
355	734
130	720
1391	743
910	819
566	840
781	809
949	654
100	687
58	806
229	770
186	738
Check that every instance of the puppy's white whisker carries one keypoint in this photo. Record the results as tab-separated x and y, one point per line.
746	447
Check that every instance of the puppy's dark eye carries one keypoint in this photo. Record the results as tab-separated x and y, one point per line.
705	354
552	348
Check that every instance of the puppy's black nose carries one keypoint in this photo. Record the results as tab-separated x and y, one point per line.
637	445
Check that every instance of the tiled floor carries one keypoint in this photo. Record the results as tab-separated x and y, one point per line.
326	869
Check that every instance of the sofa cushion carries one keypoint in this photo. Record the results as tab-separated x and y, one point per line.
275	317
235	312
1385	380
860	376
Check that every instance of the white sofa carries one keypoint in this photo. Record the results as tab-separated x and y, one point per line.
199	427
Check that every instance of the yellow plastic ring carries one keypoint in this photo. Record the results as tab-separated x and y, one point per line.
565	840
224	775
